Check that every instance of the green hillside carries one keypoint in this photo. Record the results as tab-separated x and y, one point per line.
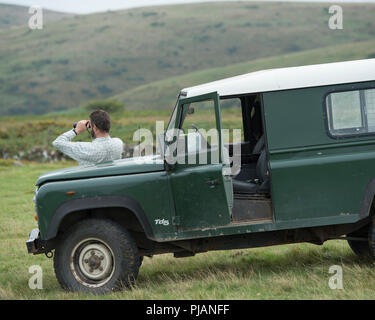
162	94
96	56
28	136
14	16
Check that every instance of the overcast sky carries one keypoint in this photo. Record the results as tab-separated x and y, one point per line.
90	6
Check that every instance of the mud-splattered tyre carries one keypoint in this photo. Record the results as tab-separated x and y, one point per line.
96	256
364	249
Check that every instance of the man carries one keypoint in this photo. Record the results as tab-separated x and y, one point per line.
103	148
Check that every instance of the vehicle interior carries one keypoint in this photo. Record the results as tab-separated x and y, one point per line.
251	185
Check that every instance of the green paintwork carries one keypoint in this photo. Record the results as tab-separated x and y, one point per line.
119	167
312	174
198	203
140	186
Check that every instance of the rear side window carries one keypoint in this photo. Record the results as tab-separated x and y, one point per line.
351	112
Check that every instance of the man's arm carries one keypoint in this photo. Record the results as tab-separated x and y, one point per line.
78	151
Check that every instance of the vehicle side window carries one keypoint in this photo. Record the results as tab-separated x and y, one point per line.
199	126
370	105
351	112
199	115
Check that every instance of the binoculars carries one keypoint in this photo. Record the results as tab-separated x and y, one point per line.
87	125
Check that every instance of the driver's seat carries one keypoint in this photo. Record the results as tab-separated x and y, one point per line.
261	185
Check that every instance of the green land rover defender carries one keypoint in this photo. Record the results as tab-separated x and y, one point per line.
305	173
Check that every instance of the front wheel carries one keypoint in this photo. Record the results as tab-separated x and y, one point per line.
96	256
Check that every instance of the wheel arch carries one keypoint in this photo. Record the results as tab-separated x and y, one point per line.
117	208
368	201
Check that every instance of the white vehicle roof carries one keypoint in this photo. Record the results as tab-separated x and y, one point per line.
289	78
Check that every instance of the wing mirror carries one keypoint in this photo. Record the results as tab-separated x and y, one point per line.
190	110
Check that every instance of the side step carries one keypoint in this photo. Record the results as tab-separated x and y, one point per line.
249	207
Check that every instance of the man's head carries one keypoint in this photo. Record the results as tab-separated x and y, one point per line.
100	123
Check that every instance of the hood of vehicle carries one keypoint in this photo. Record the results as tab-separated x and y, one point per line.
118	167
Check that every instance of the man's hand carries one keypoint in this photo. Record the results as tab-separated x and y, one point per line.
81	126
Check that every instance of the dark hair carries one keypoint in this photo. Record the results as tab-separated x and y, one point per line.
101	119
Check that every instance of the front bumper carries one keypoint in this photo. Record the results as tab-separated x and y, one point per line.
34	244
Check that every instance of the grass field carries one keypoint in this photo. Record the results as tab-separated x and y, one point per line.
281	272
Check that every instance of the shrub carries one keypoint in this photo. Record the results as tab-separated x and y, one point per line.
4	134
88	93
103	28
149	14
103	89
157	24
109	105
6	163
232	50
41	63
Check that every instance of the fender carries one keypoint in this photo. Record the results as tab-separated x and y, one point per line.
95	203
367	199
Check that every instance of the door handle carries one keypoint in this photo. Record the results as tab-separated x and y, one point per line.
213	183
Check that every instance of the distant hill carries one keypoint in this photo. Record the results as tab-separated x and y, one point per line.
28	136
83	58
162	94
15	16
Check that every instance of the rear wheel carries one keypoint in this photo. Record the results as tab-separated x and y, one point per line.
96	256
363	248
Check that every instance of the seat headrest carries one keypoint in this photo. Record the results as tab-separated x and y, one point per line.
259	145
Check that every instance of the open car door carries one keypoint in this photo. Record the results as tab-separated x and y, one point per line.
200	179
